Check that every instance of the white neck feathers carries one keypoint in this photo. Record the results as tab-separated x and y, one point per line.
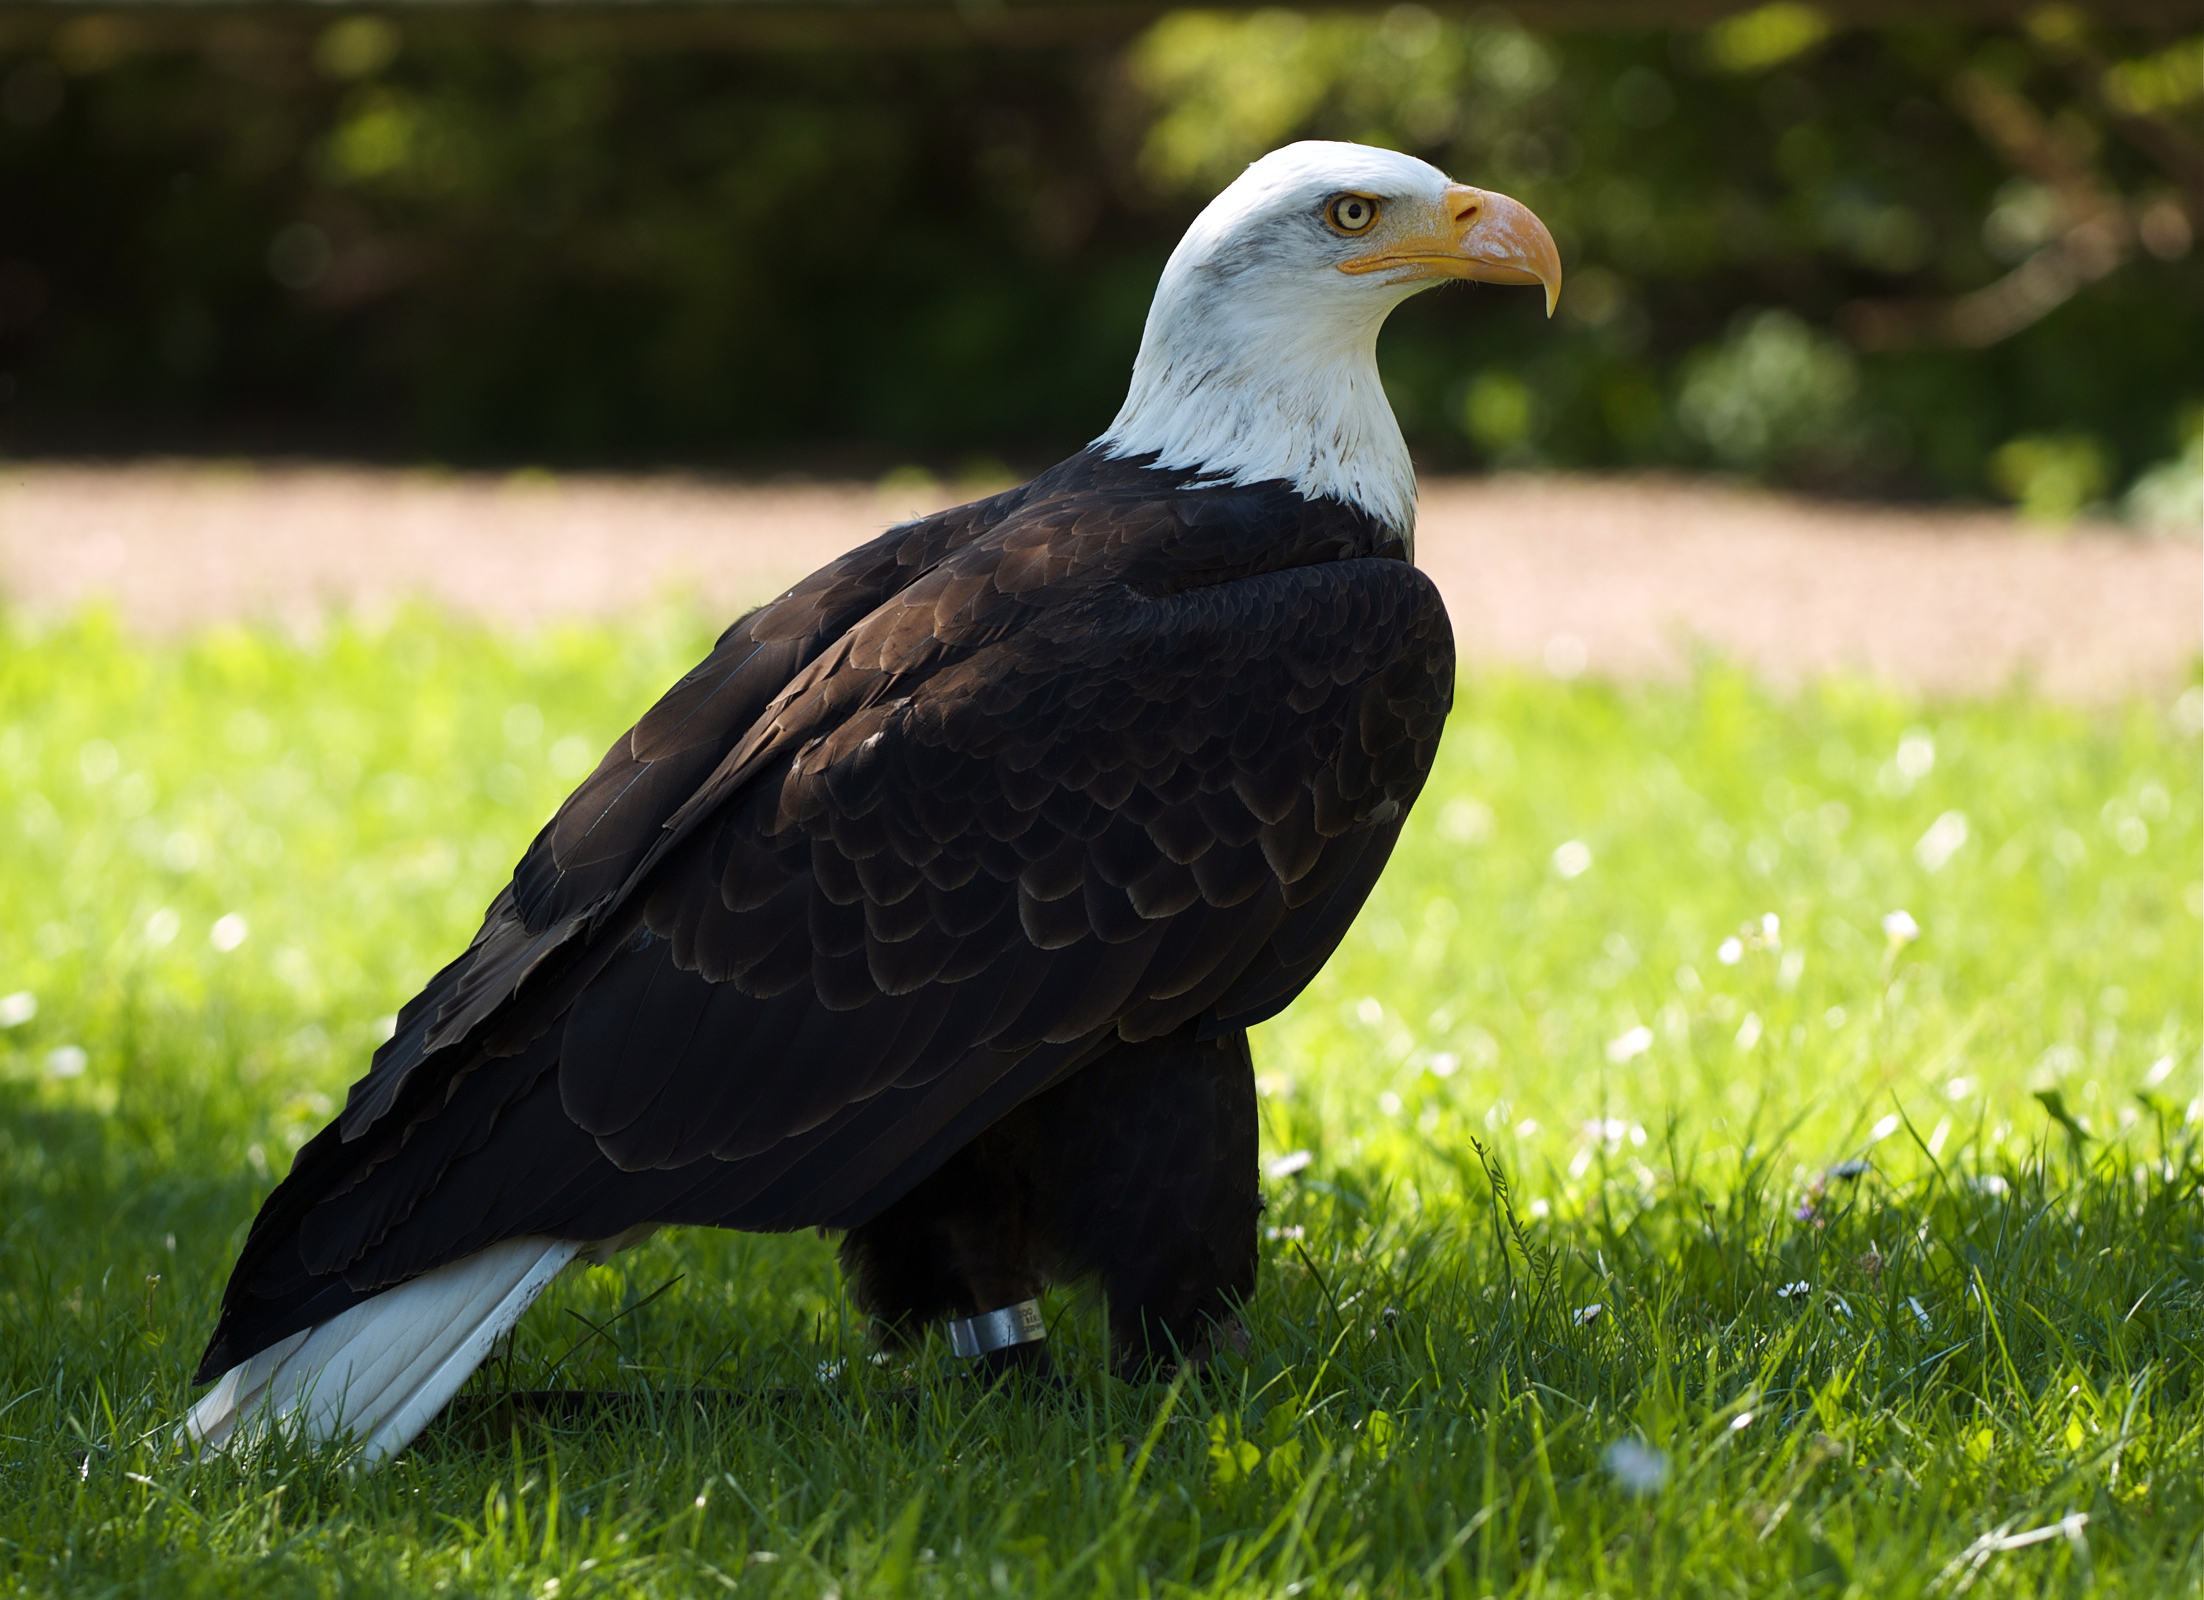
1259	360
1243	405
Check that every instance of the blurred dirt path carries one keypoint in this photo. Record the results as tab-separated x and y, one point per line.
1624	577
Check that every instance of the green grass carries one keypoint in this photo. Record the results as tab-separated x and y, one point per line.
1536	1080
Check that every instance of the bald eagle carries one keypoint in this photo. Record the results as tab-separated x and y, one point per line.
935	904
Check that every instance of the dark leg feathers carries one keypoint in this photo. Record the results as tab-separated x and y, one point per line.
1140	1172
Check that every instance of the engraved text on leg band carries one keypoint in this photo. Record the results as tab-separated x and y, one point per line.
997	1330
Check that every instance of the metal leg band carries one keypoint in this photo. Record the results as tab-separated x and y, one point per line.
997	1330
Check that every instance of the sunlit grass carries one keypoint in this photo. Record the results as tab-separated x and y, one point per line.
1653	1209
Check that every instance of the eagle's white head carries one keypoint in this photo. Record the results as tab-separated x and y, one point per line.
1260	357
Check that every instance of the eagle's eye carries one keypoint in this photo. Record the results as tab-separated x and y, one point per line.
1352	213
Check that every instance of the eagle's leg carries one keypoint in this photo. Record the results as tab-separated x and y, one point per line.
1144	1171
1139	1171
960	1244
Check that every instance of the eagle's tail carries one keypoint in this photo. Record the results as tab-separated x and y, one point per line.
379	1371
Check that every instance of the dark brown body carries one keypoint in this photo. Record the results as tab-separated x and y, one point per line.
932	906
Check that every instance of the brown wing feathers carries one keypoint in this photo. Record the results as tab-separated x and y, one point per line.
913	842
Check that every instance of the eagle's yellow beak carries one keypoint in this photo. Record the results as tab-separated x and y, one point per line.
1471	233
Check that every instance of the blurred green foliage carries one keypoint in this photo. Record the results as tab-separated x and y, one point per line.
450	242
1928	258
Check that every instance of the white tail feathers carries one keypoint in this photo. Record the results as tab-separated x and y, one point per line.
380	1371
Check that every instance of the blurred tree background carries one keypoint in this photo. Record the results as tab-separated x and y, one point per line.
1934	258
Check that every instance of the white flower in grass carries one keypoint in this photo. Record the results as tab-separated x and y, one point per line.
1634	1043
1612	1131
228	932
67	1062
1588	1314
19	1007
1636	1465
1942	841
1900	928
1730	951
1287	1165
1572	858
